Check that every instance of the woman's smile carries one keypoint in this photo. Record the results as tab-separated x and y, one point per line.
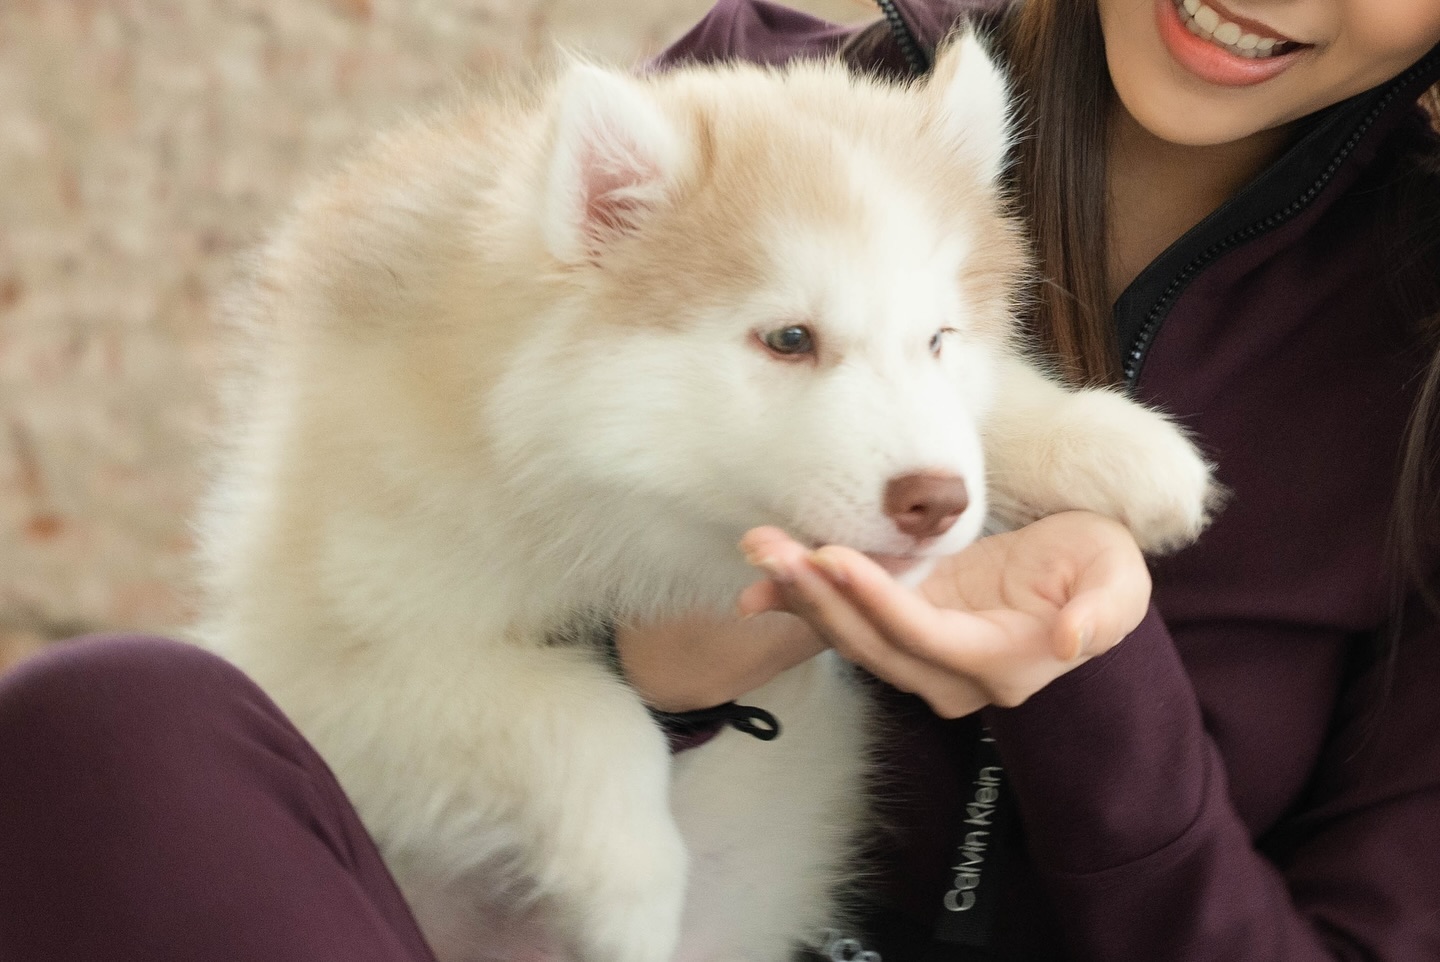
1222	49
1218	49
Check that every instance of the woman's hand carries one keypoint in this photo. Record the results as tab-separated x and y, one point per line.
702	661
991	625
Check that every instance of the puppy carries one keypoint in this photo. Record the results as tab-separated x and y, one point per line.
545	358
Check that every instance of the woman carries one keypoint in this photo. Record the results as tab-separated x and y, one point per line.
1219	786
1255	772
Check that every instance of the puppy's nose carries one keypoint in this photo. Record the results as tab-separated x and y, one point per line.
927	503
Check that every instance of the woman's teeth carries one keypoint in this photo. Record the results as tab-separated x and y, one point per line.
1205	22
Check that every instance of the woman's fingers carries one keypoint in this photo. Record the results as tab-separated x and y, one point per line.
824	600
1003	655
775	553
962	642
856	603
811	596
901	616
765	542
803	590
1109	599
758	598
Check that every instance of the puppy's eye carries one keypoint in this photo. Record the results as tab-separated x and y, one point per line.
790	341
939	339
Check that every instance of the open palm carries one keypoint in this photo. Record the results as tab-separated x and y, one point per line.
991	625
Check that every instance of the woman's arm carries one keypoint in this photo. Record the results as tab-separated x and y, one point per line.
701	661
1124	795
1131	821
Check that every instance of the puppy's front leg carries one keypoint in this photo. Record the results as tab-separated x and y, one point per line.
1052	449
544	770
610	856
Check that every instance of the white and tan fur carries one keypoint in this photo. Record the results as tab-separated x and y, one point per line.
504	371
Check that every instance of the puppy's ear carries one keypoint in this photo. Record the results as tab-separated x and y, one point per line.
616	158
973	102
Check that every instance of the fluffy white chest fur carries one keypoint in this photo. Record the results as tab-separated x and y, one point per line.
549	356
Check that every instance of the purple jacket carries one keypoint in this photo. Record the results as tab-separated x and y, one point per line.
1243	778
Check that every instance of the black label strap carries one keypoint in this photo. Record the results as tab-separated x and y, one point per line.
985	842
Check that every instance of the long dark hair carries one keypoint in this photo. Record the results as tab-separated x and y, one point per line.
1054	54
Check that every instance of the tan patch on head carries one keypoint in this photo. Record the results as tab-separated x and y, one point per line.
994	276
776	153
761	172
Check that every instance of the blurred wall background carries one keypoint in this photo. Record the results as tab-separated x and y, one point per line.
143	144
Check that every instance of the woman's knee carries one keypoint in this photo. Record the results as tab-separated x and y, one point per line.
116	675
114	700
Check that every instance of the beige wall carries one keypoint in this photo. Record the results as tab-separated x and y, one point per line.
143	143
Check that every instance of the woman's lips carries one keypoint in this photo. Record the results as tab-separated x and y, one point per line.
1222	51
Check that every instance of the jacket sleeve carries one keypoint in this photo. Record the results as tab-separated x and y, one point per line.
1125	802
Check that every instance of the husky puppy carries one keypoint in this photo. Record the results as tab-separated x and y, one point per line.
547	357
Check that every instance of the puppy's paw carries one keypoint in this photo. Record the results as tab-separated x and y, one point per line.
1096	450
1174	503
632	913
1161	487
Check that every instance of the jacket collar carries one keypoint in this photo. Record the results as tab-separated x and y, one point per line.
1332	150
1334	145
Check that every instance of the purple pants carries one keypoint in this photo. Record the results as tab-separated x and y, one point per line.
156	805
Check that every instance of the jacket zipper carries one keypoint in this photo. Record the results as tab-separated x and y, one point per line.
1135	356
914	55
